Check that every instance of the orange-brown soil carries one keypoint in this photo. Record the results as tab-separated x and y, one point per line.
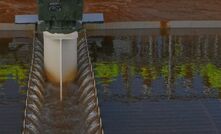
144	10
9	8
128	10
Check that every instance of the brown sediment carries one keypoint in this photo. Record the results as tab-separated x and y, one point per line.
56	81
62	117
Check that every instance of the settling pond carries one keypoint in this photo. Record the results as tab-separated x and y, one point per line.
148	82
154	82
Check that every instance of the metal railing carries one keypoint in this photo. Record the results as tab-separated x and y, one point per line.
35	93
88	91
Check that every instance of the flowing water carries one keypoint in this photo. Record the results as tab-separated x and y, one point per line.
64	117
52	116
77	113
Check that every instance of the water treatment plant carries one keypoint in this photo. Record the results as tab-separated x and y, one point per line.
65	70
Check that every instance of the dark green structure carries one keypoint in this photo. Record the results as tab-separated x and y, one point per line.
60	16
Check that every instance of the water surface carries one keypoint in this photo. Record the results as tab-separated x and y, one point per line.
129	68
153	83
15	59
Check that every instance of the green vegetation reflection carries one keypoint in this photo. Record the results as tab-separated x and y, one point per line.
108	72
15	72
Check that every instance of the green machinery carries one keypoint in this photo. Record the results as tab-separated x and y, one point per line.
60	16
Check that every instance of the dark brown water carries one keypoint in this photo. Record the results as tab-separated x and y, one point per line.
130	68
66	117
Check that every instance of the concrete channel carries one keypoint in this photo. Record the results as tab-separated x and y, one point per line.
85	97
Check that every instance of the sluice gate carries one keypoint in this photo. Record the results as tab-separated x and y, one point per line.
82	96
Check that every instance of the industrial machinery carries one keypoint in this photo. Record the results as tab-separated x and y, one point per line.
60	16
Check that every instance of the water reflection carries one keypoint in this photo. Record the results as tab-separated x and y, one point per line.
15	56
157	67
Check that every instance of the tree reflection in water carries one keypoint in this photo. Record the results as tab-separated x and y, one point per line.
14	64
157	67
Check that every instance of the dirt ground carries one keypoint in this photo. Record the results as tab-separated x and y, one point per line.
8	9
128	10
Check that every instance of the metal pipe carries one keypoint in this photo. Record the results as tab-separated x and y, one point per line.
61	80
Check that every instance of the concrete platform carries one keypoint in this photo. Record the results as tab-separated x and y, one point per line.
26	19
87	18
152	31
16	27
96	25
16	33
155	24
